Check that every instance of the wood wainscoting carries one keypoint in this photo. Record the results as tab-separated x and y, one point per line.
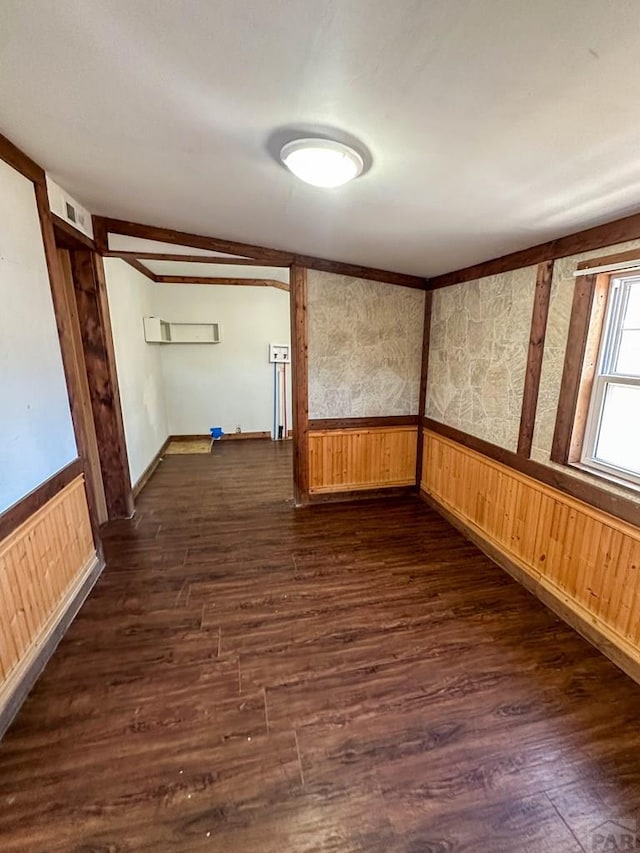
47	566
344	460
583	563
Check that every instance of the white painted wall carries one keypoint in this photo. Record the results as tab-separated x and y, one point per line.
36	431
228	384
138	364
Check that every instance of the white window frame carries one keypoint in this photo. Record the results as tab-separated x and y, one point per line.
605	376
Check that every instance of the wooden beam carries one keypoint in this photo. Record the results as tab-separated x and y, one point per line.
133	262
537	335
354	271
104	226
16	158
363	423
562	479
424	370
182	238
68	237
300	385
100	234
238	282
583	293
191	259
95	326
598	237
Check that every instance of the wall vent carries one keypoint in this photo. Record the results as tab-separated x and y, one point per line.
67	208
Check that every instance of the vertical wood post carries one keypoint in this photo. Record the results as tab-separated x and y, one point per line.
87	442
95	328
300	384
535	353
424	370
73	367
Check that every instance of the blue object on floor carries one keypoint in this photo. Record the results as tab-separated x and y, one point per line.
216	433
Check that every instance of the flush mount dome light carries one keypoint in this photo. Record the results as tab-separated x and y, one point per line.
322	162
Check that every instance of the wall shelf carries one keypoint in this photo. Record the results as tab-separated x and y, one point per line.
157	331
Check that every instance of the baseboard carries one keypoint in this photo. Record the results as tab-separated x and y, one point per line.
361	494
144	478
237	436
615	648
353	488
21	680
232	436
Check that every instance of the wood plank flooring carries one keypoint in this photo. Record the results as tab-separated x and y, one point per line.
351	678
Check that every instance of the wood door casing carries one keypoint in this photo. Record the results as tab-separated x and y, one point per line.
85	430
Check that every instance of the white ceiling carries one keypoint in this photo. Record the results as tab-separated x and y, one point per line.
216	270
493	124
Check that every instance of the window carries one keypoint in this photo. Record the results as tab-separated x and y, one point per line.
612	434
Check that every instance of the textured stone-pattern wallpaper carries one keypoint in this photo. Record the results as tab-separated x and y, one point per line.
365	347
562	287
478	354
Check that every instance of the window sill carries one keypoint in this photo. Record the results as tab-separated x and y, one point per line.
597	474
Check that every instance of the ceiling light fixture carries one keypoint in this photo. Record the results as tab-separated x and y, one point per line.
322	162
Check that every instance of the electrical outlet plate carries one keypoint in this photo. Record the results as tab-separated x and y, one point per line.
279	354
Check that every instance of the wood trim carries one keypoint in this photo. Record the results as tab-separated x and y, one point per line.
355	271
192	259
619	258
141	269
365	494
66	323
104	225
589	365
583	294
582	623
100	234
18	160
182	238
232	436
68	237
537	335
300	384
587	491
95	326
144	478
609	234
363	423
17	514
23	678
203	279
86	432
424	371
258	435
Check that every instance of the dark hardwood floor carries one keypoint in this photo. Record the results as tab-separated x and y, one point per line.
249	678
